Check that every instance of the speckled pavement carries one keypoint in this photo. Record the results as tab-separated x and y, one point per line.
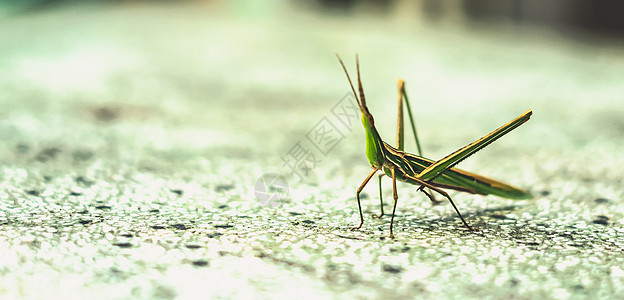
134	140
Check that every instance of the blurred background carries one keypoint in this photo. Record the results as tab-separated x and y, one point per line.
212	75
207	78
604	17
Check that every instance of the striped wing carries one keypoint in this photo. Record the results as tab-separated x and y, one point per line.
434	170
454	178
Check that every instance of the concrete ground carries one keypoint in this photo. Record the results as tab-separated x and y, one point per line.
141	143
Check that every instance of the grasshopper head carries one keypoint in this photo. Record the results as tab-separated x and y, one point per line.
374	143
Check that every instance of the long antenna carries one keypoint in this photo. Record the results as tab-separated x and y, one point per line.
349	78
362	98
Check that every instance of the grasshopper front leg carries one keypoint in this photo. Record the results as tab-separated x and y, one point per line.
396	199
357	195
380	199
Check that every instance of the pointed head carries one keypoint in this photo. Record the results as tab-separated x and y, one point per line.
374	144
367	118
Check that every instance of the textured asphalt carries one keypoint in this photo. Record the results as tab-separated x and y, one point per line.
135	140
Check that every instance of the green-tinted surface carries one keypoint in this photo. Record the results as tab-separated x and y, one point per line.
133	137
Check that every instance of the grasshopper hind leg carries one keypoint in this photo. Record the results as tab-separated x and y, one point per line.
424	184
429	195
400	132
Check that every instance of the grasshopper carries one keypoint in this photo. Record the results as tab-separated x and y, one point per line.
397	164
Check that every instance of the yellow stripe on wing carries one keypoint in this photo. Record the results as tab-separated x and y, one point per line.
454	158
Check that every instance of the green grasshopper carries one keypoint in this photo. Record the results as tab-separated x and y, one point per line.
418	170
